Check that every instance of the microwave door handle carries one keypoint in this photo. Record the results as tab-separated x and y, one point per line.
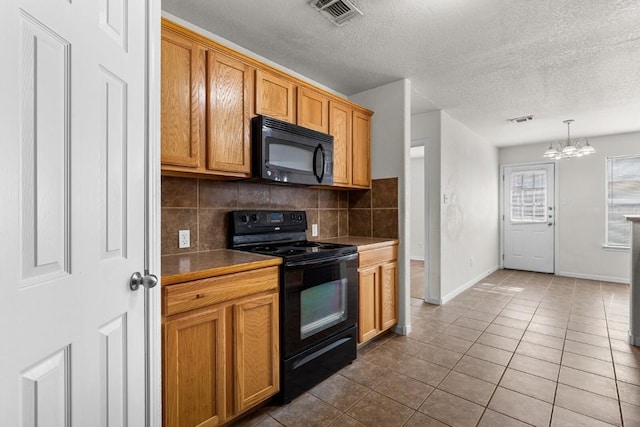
315	163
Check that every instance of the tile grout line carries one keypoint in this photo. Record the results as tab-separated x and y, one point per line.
613	362
564	342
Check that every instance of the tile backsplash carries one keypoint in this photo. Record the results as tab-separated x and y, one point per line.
374	213
201	206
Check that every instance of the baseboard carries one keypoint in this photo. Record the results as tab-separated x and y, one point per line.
624	280
633	340
402	329
451	295
417	258
436	301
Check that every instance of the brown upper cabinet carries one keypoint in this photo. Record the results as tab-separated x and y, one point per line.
275	96
206	104
230	90
182	102
313	110
340	126
210	93
361	153
351	130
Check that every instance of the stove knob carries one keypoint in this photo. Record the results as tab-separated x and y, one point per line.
244	218
300	217
293	217
254	217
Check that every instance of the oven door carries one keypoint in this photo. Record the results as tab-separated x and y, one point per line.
319	299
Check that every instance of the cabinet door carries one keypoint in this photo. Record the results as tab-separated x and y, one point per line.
340	120
388	295
182	101
229	119
194	369
361	160
368	298
275	97
257	364
313	110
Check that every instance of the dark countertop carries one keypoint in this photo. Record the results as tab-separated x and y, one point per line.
363	243
201	265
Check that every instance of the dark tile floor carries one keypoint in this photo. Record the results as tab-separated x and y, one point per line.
516	349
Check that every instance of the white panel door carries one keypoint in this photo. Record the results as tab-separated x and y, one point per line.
72	212
529	217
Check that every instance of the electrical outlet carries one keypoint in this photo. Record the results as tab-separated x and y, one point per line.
184	239
314	230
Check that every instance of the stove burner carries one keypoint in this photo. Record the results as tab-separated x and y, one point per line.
330	246
307	244
289	252
264	249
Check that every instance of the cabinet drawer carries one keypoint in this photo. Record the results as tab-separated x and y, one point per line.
377	256
199	293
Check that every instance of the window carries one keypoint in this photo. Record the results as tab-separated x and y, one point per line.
529	196
623	197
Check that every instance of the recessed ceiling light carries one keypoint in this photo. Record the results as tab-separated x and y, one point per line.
521	119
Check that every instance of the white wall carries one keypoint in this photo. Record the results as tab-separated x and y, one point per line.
390	143
469	208
388	130
427	126
417	217
580	221
462	234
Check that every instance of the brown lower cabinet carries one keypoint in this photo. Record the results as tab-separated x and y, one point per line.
221	349
377	291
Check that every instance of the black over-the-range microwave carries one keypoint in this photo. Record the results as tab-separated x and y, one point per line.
287	153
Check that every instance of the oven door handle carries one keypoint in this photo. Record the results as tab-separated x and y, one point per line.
321	261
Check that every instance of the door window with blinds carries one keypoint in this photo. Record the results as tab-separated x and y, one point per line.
528	196
623	197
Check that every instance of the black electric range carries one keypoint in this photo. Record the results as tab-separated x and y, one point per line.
318	295
279	233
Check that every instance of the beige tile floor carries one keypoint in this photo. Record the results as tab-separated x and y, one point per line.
417	279
516	349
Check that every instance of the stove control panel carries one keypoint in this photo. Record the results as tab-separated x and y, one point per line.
264	221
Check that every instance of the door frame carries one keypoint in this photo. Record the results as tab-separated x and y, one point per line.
153	363
556	201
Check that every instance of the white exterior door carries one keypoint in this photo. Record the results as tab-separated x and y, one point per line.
529	217
72	212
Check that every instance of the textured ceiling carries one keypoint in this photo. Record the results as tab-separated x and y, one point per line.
482	61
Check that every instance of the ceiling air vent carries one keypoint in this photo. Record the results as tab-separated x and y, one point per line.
522	119
337	11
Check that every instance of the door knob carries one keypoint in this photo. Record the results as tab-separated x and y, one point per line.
148	281
550	224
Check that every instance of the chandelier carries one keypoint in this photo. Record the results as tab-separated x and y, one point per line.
570	147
